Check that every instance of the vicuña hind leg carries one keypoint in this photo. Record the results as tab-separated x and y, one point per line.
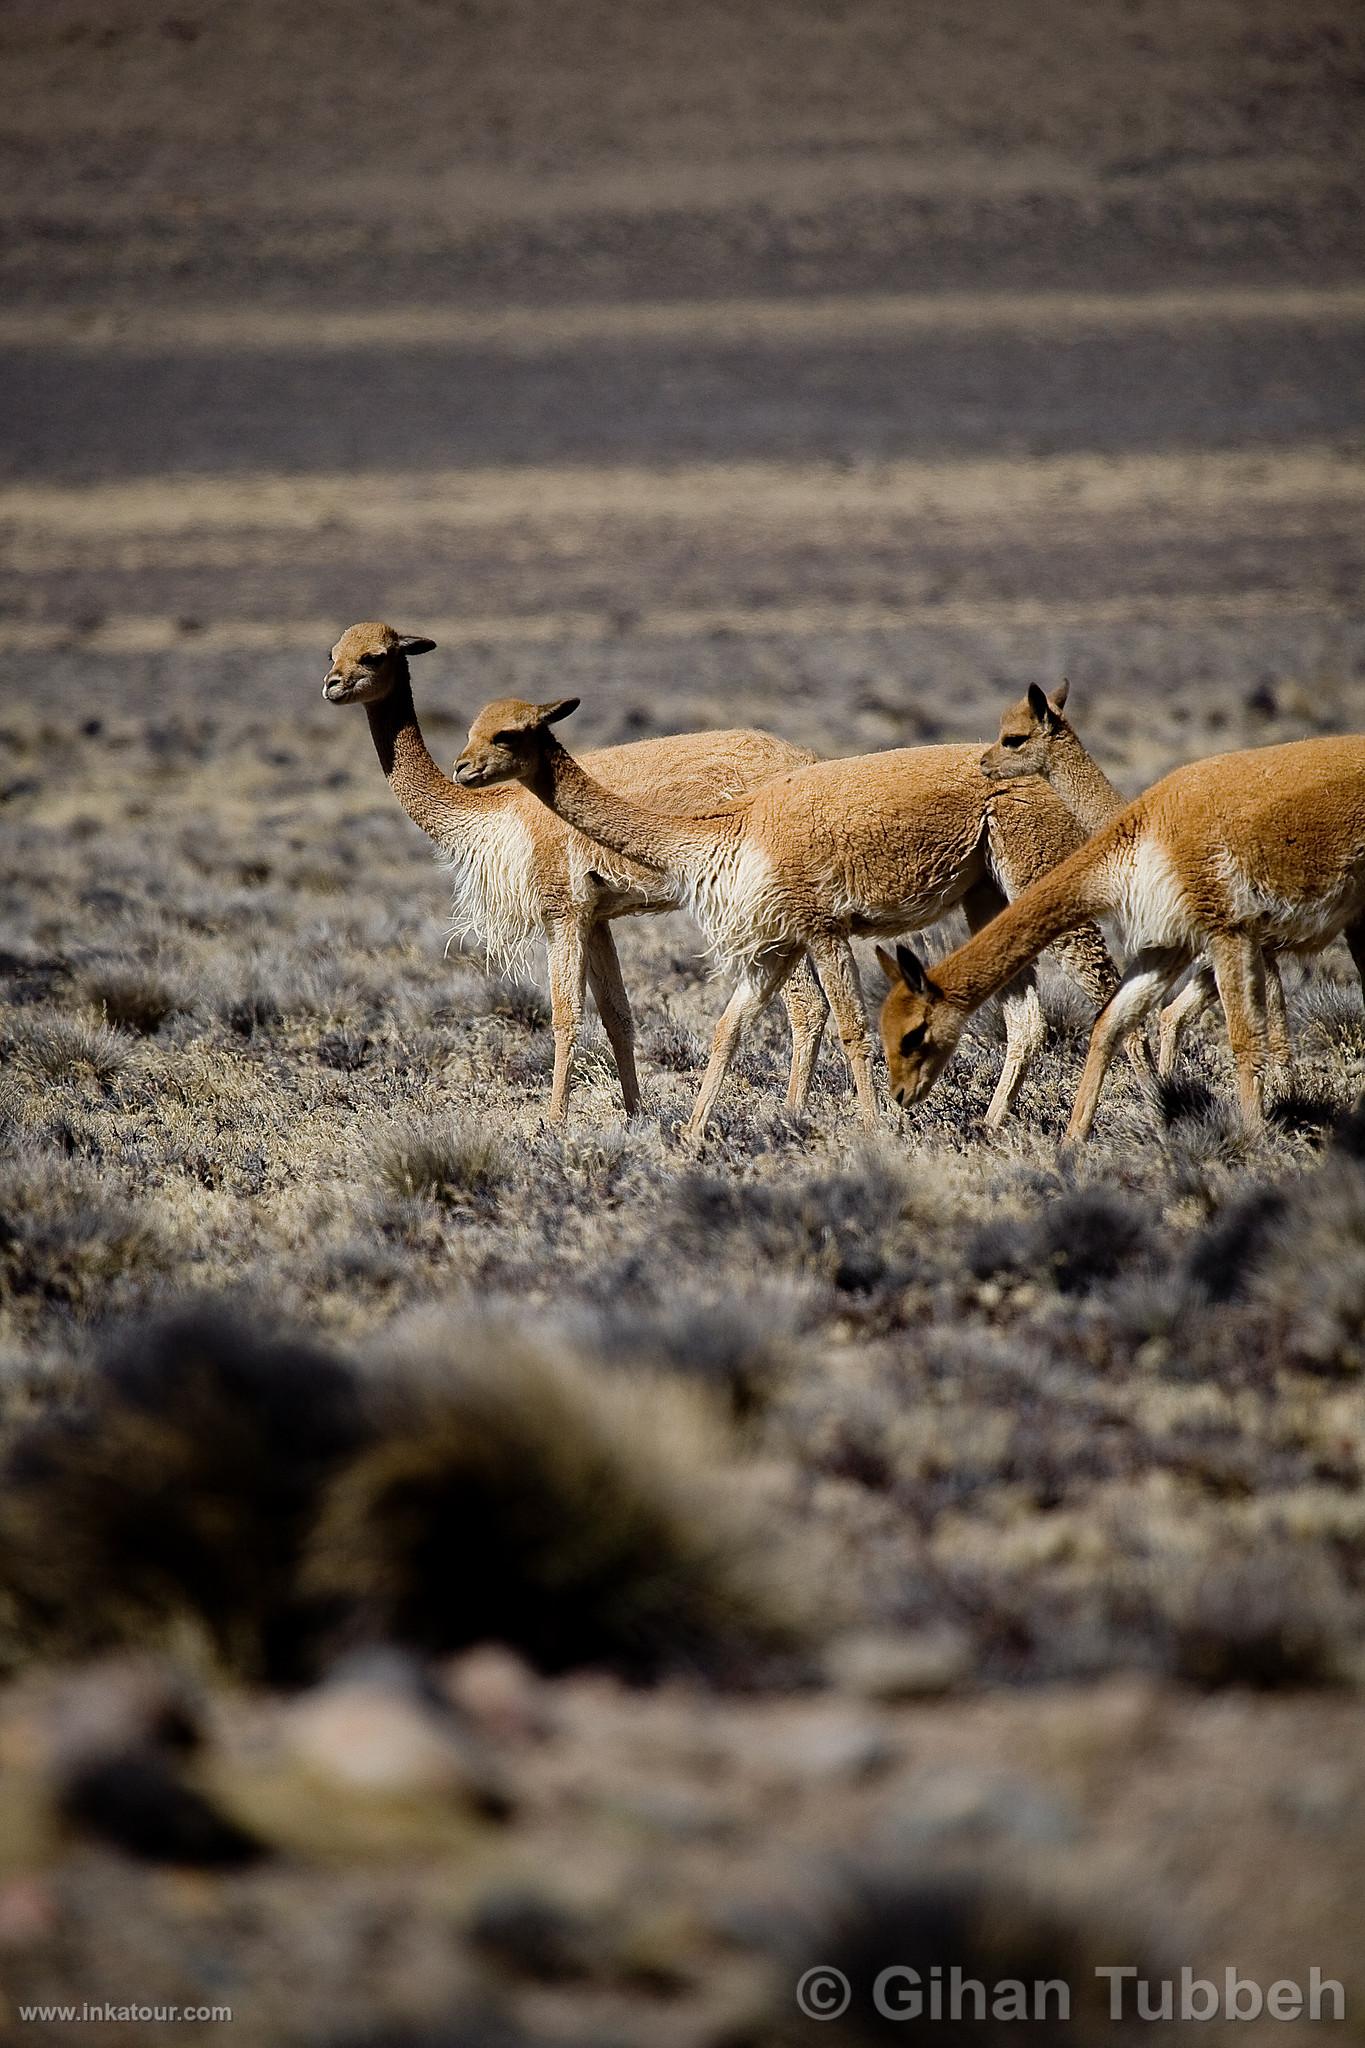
1025	1029
1202	989
613	1007
568	969
807	1010
1199	991
1240	972
1355	939
759	984
833	960
1147	979
1280	1073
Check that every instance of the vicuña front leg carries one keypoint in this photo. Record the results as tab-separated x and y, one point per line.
759	984
834	963
613	1007
1240	972
568	972
1146	981
1025	1028
806	1013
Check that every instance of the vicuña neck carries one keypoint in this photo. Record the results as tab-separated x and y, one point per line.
1080	781
430	798
1056	903
670	845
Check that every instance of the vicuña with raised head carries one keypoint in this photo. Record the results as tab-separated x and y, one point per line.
520	874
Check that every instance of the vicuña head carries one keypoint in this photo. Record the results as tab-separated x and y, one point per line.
920	1028
504	743
1025	730
368	660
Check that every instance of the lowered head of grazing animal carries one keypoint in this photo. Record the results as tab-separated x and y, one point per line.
1025	730
368	660
920	1028
505	741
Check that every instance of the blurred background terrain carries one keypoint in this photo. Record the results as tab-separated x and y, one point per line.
990	1542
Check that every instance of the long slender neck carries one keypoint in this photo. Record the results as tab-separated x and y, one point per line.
1056	903
1080	781
670	845
430	798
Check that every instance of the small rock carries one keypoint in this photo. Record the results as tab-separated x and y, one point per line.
116	1704
374	1727
28	1913
829	1743
918	1664
965	1806
687	1815
499	1693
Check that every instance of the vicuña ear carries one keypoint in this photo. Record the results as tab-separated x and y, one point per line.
413	643
888	966
913	972
1059	696
1038	704
550	714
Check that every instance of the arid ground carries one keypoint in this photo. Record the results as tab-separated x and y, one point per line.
901	1550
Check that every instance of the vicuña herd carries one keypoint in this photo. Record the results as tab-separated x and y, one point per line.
784	859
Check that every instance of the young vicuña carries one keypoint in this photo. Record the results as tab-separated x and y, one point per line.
1036	738
1229	855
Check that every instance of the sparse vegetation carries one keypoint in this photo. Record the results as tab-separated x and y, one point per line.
640	1418
468	1581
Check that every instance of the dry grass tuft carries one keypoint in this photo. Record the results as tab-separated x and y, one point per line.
70	1240
435	1160
983	1927
1271	1620
51	1046
513	1494
135	997
180	1489
1312	1276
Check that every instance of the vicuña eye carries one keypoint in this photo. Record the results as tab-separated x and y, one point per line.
1012	739
913	1038
503	739
372	660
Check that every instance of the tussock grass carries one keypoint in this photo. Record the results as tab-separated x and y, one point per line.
741	1349
72	1239
177	1491
521	1002
987	1928
134	997
513	1494
1311	1276
435	1160
51	1046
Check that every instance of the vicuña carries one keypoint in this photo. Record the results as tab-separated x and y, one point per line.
520	874
1036	738
1227	856
882	843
